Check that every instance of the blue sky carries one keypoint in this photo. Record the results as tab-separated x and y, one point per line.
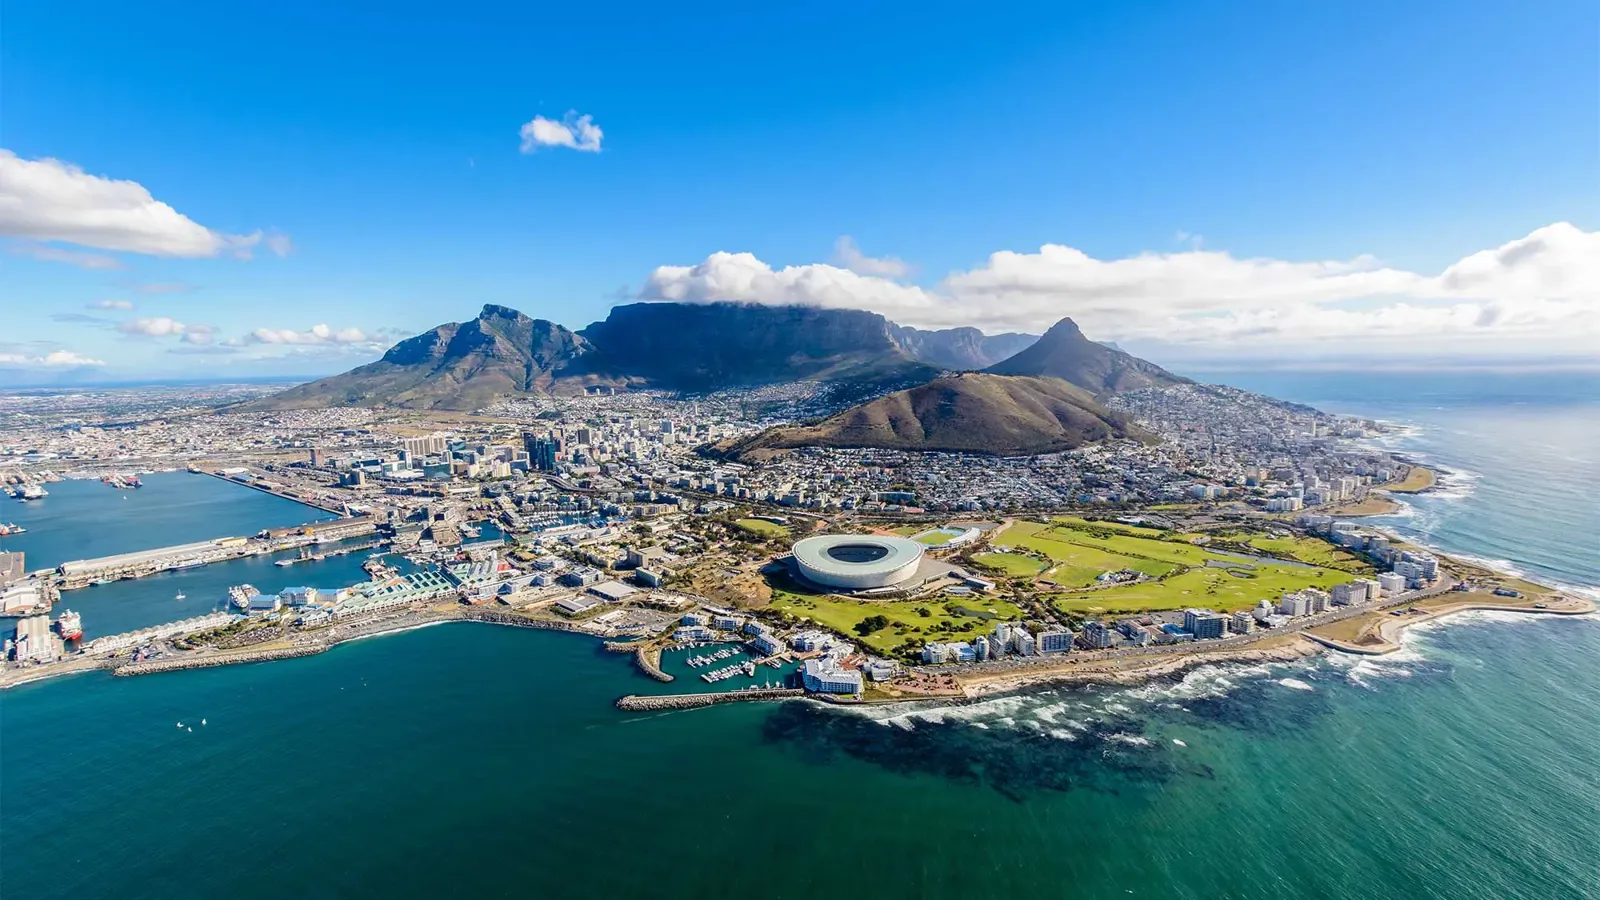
1298	177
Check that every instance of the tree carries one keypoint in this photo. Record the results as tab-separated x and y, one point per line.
871	624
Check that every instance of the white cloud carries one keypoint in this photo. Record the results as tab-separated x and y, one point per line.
848	255
279	243
574	131
47	253
1543	286
51	200
316	334
163	326
108	304
55	359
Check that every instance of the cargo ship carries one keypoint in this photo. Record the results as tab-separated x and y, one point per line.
69	625
240	595
30	492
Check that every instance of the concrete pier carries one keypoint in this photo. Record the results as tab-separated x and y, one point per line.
635	702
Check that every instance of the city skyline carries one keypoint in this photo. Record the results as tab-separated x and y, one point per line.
1405	182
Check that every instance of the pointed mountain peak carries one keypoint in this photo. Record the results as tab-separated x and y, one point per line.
1065	353
1066	328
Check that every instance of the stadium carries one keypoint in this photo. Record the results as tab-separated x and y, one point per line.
855	562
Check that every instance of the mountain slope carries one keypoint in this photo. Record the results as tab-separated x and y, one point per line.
975	413
454	366
959	348
1063	352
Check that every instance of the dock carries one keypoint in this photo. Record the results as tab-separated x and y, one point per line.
634	702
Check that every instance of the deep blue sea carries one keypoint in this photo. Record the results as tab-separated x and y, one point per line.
468	760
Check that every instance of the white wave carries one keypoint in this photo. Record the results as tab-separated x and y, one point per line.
1062	734
1201	682
1132	740
1179	743
1296	684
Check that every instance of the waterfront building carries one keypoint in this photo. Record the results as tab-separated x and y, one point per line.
1204	624
767	644
1023	641
34	642
1293	605
726	623
693	633
1350	593
693	618
1098	635
1054	641
1392	584
1243	622
935	653
825	675
980	648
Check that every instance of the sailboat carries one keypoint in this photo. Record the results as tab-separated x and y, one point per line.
181	595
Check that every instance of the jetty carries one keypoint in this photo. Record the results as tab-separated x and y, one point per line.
634	702
217	659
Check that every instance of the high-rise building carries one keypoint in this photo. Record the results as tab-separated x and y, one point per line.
1098	635
1055	641
1204	624
542	451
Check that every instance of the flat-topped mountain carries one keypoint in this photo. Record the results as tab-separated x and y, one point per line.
705	346
975	413
699	347
1063	352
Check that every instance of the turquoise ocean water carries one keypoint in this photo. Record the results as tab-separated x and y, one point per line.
467	760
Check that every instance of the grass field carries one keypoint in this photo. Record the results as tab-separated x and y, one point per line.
1418	479
946	620
934	538
763	528
1011	563
1310	550
1205	587
1180	576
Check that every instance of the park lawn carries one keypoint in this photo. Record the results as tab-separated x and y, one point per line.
841	614
1135	530
763	528
909	530
1309	550
1130	546
1207	587
1011	563
934	538
1077	558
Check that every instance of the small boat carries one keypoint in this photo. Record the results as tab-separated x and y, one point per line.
202	721
180	724
181	595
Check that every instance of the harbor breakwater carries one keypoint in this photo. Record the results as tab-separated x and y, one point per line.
206	662
497	618
649	662
634	702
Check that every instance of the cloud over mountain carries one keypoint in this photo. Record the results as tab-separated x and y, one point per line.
1546	284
